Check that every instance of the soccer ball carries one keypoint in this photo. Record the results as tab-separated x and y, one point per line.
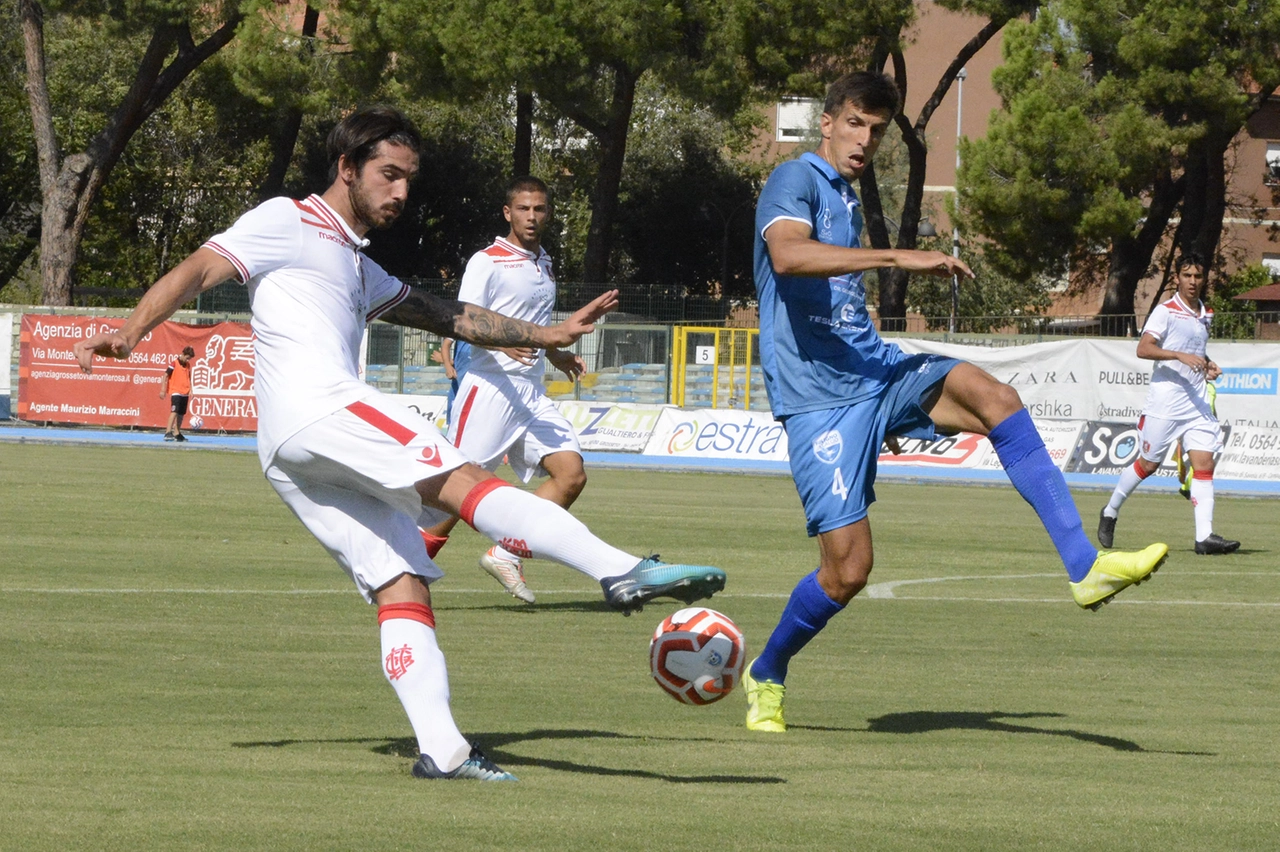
197	422
696	655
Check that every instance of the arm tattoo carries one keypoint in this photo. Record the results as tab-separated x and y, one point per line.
463	321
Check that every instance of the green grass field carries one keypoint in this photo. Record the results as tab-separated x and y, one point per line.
183	667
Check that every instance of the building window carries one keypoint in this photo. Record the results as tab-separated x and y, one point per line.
798	119
1272	263
1273	163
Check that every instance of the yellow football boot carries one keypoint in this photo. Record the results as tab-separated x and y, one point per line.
764	703
1115	570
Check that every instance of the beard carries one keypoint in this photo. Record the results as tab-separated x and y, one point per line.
371	217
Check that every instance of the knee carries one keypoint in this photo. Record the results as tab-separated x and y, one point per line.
1002	401
575	482
845	579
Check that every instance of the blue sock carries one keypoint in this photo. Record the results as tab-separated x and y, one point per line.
805	614
1038	480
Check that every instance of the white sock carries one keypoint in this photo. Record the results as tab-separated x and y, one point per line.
414	666
502	553
1130	478
1202	500
529	526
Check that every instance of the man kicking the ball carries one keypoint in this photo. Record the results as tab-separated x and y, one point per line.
839	389
353	465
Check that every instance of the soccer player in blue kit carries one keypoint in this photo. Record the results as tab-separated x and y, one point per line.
839	389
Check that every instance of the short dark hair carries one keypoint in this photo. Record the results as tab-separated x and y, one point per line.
526	183
188	351
866	90
1190	258
357	136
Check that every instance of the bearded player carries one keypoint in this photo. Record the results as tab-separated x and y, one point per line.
354	466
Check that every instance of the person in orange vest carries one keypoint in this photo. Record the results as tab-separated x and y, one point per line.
177	386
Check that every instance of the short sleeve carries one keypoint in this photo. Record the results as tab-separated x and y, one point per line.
264	239
474	289
385	290
1157	323
788	194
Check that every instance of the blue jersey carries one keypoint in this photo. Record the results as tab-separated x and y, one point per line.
818	346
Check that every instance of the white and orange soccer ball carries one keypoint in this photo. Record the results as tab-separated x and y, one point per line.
696	655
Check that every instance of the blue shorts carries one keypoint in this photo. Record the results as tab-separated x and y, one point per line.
834	450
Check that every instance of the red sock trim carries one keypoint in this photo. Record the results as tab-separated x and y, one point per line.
1137	468
412	611
433	542
468	509
1203	475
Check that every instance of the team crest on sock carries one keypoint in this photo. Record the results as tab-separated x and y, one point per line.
516	546
398	662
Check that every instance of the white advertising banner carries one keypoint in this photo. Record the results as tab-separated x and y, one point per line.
604	426
1105	379
1250	453
718	434
967	450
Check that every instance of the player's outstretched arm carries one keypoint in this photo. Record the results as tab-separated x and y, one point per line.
201	270
794	252
474	324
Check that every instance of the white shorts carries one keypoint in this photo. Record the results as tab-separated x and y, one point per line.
350	479
511	417
1157	434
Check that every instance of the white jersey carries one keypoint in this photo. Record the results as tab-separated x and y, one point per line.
312	294
513	282
1177	391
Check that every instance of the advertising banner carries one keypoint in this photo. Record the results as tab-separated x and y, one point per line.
718	434
967	450
1105	380
1250	453
51	386
616	427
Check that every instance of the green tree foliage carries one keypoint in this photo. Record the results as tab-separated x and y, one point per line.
19	188
984	303
1237	319
585	60
147	50
1118	117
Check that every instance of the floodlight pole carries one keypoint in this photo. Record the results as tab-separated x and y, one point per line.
955	229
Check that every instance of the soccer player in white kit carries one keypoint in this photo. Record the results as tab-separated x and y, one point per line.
1176	337
501	408
358	469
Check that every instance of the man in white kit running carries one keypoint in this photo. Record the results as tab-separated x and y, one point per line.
501	408
358	469
1176	337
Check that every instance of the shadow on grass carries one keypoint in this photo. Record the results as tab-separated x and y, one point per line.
494	745
924	721
526	609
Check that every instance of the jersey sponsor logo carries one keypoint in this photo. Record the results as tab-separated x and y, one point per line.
398	662
828	446
1248	380
517	546
431	456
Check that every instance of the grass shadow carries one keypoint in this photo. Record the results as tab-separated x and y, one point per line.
494	745
925	721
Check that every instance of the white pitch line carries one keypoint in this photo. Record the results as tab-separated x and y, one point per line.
885	591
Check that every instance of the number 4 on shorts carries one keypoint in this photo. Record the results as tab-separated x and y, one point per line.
838	487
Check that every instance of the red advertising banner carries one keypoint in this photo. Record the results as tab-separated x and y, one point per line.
52	388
